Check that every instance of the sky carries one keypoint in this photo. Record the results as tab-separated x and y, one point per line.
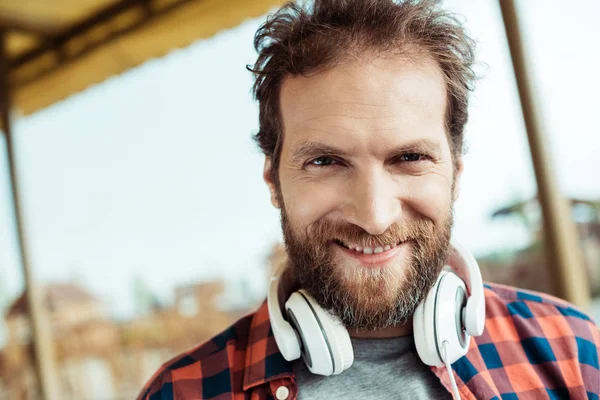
153	173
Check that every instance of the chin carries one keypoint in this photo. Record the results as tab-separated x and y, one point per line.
355	272
363	280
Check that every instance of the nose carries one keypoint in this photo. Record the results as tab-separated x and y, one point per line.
373	202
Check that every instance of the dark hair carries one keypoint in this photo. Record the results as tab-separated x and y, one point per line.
300	40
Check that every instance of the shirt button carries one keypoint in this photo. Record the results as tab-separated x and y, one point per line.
282	393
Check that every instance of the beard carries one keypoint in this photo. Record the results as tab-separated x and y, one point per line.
367	298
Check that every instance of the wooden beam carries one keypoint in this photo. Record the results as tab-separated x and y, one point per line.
14	22
40	333
563	250
102	16
127	40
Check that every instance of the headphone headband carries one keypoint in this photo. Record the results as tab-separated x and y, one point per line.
474	313
285	336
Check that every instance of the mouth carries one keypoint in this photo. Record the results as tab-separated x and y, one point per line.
366	250
378	256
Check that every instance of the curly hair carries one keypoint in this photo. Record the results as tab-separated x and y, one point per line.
307	39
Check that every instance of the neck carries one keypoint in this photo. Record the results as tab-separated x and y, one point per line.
389	332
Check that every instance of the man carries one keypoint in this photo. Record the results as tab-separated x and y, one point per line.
362	110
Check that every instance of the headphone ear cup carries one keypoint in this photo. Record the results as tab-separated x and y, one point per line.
336	334
438	319
424	326
326	346
450	304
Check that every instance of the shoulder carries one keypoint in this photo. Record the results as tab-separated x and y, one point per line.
537	338
208	370
542	311
519	313
533	346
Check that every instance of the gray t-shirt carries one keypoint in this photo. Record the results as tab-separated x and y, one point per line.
382	369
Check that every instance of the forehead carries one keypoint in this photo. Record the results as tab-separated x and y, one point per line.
386	96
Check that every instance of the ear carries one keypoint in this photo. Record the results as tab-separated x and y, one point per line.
457	175
267	176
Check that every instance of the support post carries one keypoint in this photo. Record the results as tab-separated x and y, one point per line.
41	338
563	249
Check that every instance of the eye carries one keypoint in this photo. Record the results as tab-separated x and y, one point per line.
323	161
412	157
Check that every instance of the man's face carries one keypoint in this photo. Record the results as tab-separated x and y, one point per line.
366	186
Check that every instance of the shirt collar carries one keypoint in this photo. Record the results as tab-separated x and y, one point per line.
264	363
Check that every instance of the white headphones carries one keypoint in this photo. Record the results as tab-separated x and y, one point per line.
443	322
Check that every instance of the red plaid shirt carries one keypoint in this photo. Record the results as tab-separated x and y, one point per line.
534	347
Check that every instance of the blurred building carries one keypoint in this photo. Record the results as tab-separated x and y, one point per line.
194	299
99	358
83	336
528	268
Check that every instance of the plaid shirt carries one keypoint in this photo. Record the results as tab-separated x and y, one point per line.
534	347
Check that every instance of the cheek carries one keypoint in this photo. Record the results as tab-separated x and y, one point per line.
430	197
307	202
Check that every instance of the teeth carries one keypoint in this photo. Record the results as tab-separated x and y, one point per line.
369	250
344	244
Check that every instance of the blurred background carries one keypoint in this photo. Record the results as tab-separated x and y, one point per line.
146	223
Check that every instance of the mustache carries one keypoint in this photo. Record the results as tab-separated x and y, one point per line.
348	233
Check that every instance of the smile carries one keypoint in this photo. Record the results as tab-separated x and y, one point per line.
366	250
374	256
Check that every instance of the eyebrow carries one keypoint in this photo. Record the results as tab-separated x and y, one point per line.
312	149
424	146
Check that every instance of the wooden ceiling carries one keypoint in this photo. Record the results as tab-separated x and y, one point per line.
59	47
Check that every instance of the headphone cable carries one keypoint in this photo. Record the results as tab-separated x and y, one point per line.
450	373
